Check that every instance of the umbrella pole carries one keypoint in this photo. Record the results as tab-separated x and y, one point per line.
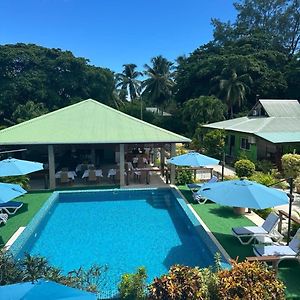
291	181
223	165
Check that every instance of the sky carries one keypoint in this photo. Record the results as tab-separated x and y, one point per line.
111	33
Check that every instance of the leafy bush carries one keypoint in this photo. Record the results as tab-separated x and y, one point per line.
182	283
264	166
133	286
244	168
263	213
183	176
262	178
22	180
291	165
32	268
249	280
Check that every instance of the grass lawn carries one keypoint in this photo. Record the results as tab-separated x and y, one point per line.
220	220
32	203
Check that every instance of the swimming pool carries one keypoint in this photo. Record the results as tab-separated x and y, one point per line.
123	229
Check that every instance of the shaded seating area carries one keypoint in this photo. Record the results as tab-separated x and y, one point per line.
290	251
11	207
246	234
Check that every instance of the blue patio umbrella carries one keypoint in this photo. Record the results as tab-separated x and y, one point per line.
193	159
9	191
43	290
16	167
243	193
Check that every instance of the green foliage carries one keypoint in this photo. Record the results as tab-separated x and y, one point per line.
214	143
263	178
133	286
32	268
28	111
264	165
183	176
202	110
291	165
263	213
249	280
182	283
244	168
22	180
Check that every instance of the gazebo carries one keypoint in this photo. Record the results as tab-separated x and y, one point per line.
88	125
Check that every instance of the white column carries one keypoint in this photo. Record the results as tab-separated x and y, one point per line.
51	162
173	153
122	165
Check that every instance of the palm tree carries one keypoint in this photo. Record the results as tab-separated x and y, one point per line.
158	85
233	88
128	81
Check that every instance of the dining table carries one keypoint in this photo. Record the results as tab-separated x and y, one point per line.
71	174
97	172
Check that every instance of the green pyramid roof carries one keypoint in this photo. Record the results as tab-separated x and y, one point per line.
86	122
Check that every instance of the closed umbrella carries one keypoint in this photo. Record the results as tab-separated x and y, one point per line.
193	159
243	193
16	167
45	290
9	191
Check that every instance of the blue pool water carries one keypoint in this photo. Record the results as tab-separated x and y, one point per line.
120	229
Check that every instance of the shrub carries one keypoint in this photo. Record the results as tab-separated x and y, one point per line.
249	280
214	143
291	165
244	168
182	283
263	213
262	178
133	286
264	166
183	176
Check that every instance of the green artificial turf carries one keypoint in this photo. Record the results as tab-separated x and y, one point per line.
32	203
220	220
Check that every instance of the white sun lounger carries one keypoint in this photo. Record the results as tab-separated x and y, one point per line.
283	252
3	218
194	188
246	234
11	207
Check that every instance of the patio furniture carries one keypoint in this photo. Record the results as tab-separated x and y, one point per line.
70	174
3	218
98	173
246	234
64	178
11	207
282	252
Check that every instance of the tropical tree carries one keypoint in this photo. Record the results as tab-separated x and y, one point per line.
158	86
128	81
233	88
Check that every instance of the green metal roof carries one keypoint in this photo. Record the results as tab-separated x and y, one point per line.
281	107
86	122
273	129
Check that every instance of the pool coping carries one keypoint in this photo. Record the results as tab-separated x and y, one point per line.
208	231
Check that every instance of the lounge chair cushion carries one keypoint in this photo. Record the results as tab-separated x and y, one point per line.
249	230
274	250
11	204
193	186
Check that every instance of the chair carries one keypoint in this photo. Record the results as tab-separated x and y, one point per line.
92	176
282	252
3	218
194	188
64	178
11	207
250	232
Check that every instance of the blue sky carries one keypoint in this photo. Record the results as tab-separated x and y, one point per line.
111	33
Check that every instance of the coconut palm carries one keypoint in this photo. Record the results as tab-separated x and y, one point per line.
233	88
158	85
128	81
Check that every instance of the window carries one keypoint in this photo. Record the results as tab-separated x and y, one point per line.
245	144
